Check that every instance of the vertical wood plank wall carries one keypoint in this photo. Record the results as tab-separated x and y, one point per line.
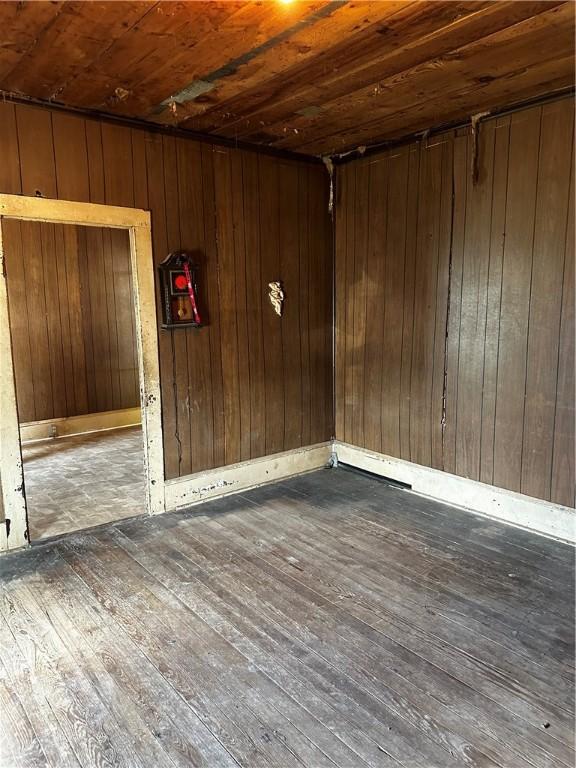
71	319
250	383
455	303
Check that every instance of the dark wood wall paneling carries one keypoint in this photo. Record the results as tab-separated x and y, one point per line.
72	319
455	303
250	383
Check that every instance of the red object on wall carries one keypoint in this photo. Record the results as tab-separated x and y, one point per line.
178	285
192	293
181	282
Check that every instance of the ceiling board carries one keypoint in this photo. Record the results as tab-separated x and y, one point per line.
498	60
302	57
21	26
81	31
338	71
315	77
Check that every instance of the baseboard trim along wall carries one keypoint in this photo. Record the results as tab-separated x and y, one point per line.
77	425
516	509
193	489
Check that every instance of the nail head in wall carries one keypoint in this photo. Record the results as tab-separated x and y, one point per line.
276	296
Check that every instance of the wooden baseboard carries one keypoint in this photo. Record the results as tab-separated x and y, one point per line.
193	489
77	425
544	517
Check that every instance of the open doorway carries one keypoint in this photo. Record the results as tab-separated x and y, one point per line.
80	431
72	326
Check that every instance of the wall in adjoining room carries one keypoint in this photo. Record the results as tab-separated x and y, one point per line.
455	302
71	319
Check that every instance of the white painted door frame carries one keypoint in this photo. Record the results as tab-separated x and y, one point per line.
15	534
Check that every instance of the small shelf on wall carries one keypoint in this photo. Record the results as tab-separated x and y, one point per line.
179	291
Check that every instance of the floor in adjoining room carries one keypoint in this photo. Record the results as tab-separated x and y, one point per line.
328	620
82	481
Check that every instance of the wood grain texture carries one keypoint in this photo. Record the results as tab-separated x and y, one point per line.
328	620
470	302
314	76
71	320
516	296
249	383
562	480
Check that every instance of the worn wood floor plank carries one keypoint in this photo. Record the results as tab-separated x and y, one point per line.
444	529
88	725
464	750
478	617
19	744
237	582
491	652
373	541
334	500
506	536
357	645
172	722
279	713
169	644
476	652
476	533
328	620
288	608
188	589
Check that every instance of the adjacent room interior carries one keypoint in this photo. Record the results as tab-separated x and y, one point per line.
287	384
76	374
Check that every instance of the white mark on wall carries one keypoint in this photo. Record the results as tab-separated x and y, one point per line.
211	487
276	296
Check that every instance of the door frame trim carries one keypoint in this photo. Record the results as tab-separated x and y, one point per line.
15	533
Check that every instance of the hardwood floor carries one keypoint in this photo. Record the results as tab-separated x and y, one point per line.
329	620
83	481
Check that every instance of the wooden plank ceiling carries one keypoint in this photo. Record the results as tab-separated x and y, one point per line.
312	77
